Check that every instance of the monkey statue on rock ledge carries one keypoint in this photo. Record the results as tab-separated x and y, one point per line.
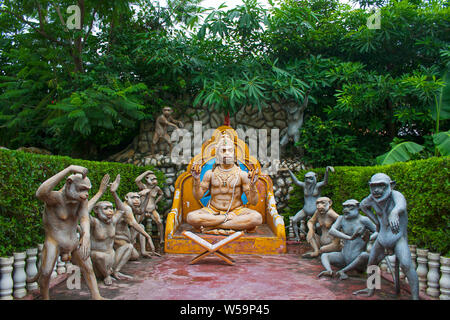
392	221
63	210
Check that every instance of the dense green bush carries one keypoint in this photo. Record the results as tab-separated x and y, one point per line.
424	183
21	174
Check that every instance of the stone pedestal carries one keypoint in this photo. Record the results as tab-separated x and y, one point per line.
433	274
19	275
422	268
6	281
31	269
444	282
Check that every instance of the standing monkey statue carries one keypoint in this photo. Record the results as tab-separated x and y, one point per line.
311	189
162	123
392	221
63	210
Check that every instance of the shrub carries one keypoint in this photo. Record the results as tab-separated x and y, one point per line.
22	173
424	183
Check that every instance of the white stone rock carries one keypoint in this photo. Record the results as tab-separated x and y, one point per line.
60	266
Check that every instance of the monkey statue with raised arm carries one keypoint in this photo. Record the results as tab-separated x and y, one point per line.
63	210
123	234
392	222
311	189
353	228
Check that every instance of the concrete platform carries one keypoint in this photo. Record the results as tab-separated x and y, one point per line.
253	277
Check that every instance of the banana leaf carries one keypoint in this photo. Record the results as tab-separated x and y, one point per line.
442	142
400	152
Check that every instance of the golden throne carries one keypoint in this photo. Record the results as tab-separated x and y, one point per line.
269	238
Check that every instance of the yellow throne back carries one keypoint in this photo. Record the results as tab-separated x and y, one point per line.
269	238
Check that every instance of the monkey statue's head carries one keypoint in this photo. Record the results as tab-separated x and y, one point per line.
104	211
310	178
381	186
167	111
151	179
133	199
77	188
323	204
350	209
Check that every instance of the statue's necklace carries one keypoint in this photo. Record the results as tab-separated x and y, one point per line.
224	174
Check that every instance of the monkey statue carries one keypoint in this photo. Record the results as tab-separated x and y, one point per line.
63	210
162	123
152	193
108	262
311	189
324	216
123	235
352	228
392	222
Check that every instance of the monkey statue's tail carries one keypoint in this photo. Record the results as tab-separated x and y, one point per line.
397	276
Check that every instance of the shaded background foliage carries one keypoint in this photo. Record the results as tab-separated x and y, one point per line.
83	92
22	173
424	183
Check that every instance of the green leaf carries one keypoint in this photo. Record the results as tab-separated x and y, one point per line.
399	153
442	142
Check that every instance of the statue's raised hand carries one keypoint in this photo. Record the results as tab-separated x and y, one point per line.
196	170
104	183
115	185
79	169
253	176
330	168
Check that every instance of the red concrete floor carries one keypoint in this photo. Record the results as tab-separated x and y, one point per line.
252	277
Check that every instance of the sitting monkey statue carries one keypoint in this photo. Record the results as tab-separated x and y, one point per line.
392	222
107	261
352	228
311	189
324	216
63	210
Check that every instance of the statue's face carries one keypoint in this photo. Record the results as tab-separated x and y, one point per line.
323	205
310	178
167	111
104	211
379	189
151	180
133	199
350	210
77	188
225	154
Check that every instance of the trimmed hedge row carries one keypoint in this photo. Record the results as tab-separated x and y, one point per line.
424	183
22	173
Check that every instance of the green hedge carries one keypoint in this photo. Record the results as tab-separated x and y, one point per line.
22	173
424	183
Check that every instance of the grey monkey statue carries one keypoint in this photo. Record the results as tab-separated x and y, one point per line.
392	221
352	228
311	189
